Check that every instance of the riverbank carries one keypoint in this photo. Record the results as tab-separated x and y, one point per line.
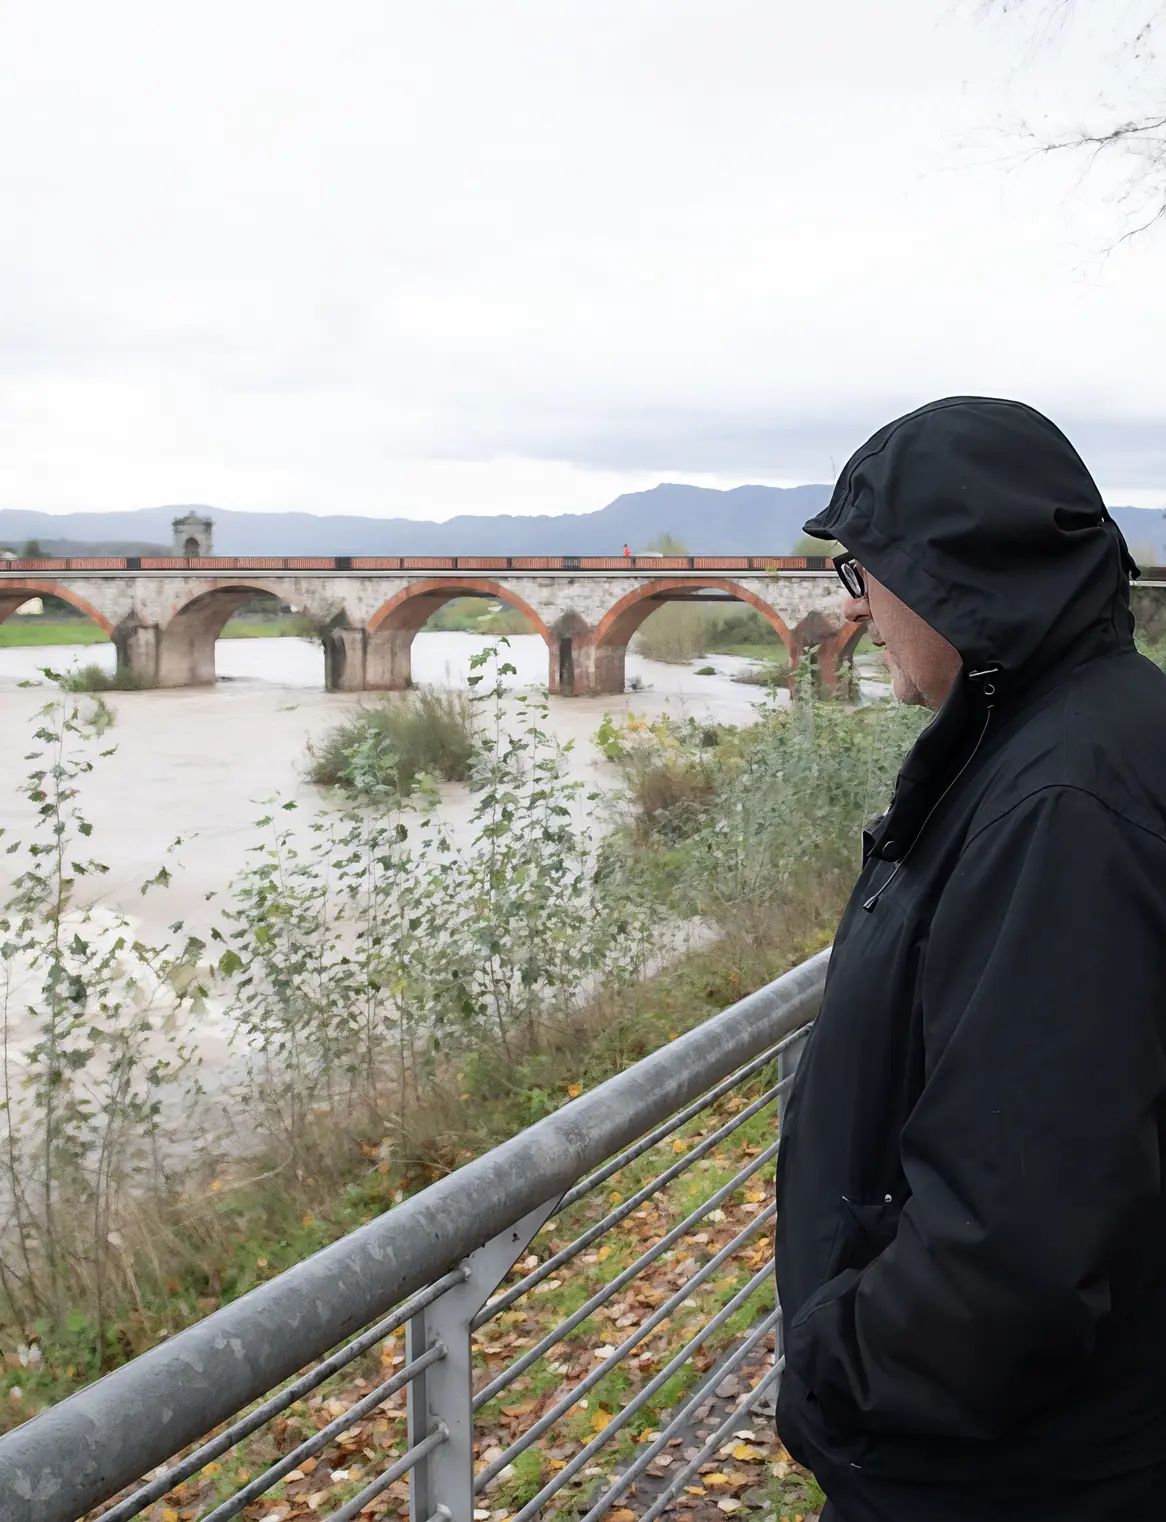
31	633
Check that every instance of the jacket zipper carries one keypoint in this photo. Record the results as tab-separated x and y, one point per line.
989	691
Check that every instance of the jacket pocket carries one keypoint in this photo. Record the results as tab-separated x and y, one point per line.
863	1231
870	1230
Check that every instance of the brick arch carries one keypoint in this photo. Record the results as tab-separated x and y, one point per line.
221	592
411	607
186	640
13	593
847	638
619	623
836	651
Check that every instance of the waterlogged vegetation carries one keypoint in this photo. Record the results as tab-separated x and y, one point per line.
94	678
390	743
398	1004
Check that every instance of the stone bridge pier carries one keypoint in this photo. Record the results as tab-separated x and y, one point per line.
165	616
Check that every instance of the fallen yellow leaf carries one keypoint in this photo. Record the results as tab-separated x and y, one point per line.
604	1252
717	1479
169	1514
746	1454
599	1420
574	1089
680	1145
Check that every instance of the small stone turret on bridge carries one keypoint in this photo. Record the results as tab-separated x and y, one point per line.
165	614
193	536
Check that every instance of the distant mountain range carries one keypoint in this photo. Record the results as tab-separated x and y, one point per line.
744	520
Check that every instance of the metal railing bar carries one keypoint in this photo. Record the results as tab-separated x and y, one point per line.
624	1277
406	1462
585	1455
713	1442
158	1487
235	1504
601	1370
601	1175
658	1445
107	1435
601	1227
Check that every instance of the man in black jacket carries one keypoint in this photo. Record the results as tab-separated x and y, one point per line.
971	1245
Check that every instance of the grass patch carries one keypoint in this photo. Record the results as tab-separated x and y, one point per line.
24	633
776	654
275	628
476	615
392	742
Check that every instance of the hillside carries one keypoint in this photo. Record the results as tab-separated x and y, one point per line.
746	519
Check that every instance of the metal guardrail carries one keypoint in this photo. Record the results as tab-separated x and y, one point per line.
433	1267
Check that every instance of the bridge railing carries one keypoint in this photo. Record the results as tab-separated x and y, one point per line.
646	1205
227	564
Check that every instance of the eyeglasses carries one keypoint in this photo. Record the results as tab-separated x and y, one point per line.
850	575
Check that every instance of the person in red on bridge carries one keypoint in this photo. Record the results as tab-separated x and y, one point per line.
627	553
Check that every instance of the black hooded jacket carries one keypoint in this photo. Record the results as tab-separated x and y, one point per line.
971	1245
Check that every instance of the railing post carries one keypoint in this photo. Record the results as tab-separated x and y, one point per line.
441	1484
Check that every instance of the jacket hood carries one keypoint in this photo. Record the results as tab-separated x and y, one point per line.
980	515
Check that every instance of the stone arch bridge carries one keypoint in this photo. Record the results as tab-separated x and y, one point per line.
164	614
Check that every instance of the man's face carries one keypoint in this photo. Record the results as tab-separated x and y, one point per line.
923	665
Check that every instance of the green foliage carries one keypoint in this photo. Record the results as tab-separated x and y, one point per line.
1153	649
392	743
808	545
765	819
666	544
474	615
91	1040
95	678
681	630
375	950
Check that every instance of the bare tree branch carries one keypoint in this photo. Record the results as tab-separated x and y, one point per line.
1141	139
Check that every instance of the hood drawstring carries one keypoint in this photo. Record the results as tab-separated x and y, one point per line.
985	681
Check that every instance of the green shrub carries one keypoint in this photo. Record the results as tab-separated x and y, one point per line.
94	678
706	671
391	743
765	825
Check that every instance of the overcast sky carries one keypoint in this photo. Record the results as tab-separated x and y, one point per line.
421	257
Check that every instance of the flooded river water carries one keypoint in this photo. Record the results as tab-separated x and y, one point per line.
197	762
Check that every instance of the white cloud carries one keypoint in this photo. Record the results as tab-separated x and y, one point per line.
452	257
